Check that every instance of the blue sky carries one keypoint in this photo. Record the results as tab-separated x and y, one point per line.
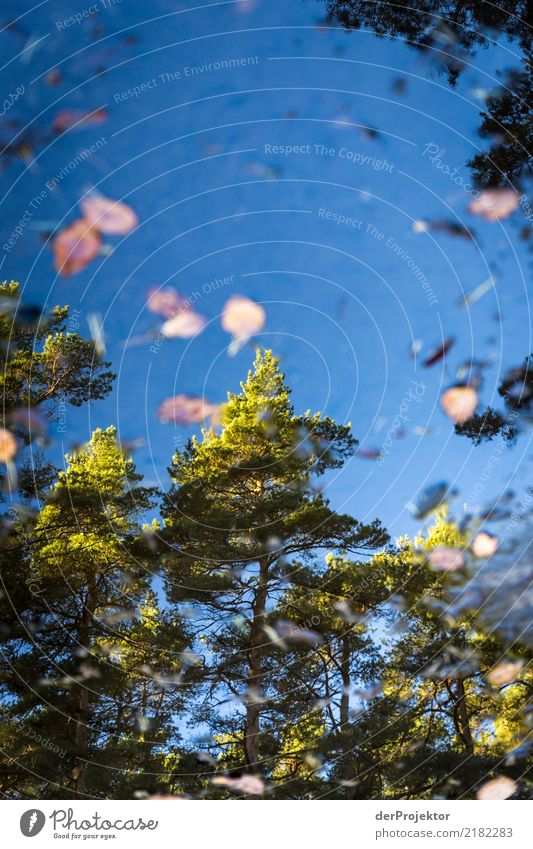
201	155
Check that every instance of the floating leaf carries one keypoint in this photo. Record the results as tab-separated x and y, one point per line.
439	352
191	659
184	325
113	617
8	446
184	409
108	216
446	559
368	453
143	723
165	302
179	797
443	225
344	610
75	247
252	785
471	372
459	403
497	789
53	77
484	544
418	430
205	758
291	633
29	419
242	317
313	761
266	172
504	673
495	204
67	118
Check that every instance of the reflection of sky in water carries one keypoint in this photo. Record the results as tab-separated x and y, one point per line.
195	155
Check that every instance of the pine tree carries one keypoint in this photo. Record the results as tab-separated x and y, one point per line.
82	560
43	361
342	603
436	672
242	506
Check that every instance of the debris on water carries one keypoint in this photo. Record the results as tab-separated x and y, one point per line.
368	453
96	329
484	544
111	217
439	352
75	247
243	318
497	789
185	410
446	559
250	785
459	403
504	673
77	118
430	498
184	325
495	204
477	293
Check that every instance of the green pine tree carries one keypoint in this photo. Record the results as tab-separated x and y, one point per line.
243	505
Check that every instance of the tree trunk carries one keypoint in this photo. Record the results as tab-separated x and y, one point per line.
257	639
81	717
346	682
347	771
463	720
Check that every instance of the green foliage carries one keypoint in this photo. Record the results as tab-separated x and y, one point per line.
450	32
44	362
507	124
484	427
244	504
293	642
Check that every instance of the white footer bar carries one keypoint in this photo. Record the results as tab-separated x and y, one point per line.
265	824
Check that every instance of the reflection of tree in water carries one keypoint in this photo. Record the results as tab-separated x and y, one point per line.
507	121
516	389
450	32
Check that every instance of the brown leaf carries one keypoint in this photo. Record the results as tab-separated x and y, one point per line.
8	446
75	247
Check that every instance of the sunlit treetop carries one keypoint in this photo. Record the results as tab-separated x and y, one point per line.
249	489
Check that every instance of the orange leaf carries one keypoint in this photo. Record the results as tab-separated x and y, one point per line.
75	247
